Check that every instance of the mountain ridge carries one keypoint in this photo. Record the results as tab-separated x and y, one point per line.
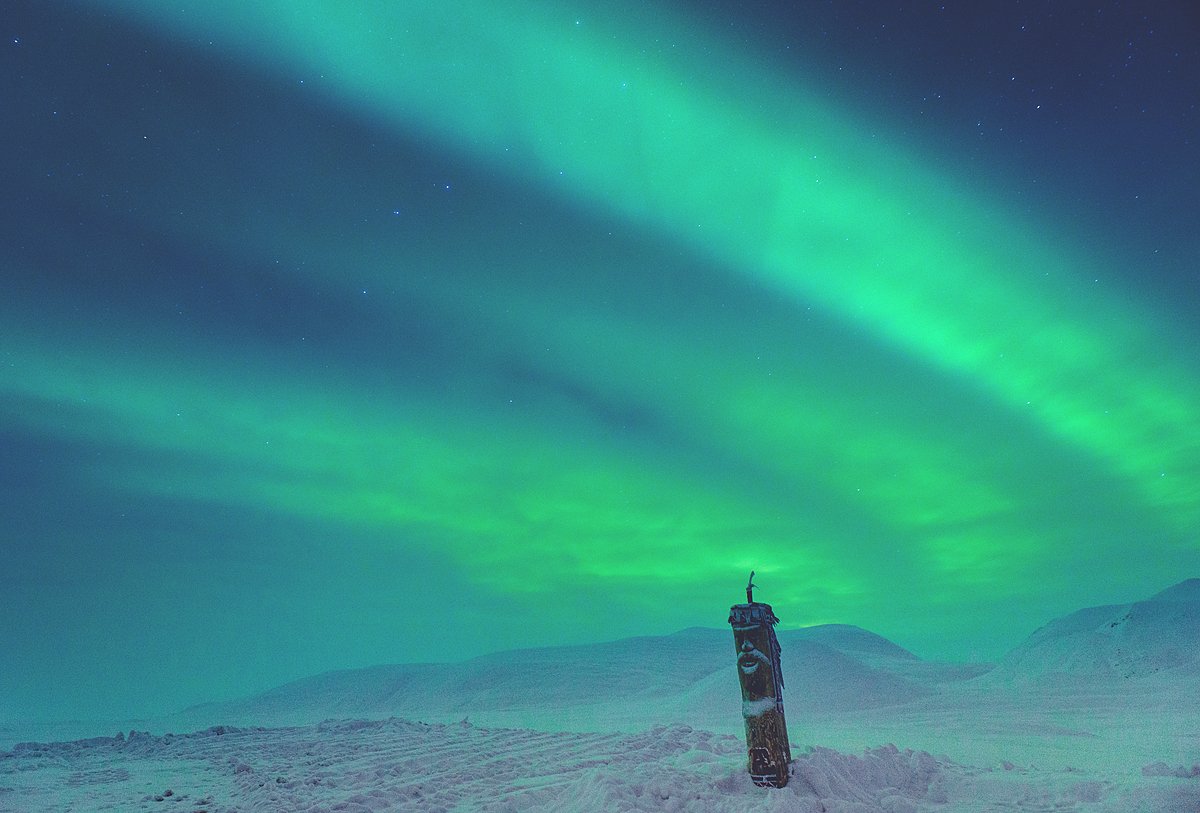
1112	642
689	674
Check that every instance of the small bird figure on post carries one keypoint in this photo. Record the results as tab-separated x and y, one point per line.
750	585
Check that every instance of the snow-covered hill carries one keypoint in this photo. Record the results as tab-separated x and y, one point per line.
855	641
659	679
1158	638
689	676
1095	712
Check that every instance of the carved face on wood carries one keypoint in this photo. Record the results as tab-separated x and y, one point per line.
754	664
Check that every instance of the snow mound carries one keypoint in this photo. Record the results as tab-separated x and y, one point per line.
881	779
821	677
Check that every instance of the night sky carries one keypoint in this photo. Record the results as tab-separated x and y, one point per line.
338	333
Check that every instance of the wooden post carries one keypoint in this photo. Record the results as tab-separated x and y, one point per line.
762	690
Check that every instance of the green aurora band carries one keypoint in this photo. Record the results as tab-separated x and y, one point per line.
776	454
775	185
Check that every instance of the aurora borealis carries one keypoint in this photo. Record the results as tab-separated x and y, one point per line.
348	333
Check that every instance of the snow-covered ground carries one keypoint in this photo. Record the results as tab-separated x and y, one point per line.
1095	712
396	765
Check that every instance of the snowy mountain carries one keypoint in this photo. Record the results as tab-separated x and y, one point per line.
660	678
1188	590
1156	637
655	724
689	676
855	641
